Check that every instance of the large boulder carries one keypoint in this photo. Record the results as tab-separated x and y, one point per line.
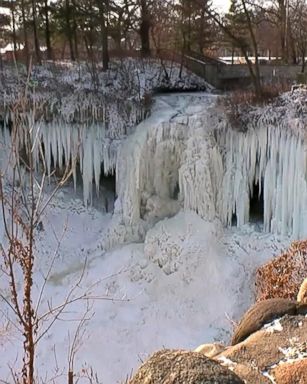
210	350
264	312
178	367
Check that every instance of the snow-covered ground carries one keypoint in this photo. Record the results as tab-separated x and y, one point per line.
178	290
179	286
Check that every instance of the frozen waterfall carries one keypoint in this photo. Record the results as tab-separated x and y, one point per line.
215	167
187	156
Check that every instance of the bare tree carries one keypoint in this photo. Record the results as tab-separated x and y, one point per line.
246	19
23	205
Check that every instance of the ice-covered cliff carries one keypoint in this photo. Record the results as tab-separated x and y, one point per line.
187	155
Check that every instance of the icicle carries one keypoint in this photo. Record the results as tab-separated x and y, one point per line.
97	149
87	170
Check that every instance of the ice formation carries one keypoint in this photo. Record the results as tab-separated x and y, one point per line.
87	145
69	145
80	119
215	167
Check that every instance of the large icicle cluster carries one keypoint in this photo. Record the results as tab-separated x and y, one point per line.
273	157
215	167
68	146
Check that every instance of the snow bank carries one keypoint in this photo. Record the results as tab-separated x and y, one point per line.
181	243
178	301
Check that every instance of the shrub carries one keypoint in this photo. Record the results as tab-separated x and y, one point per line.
283	276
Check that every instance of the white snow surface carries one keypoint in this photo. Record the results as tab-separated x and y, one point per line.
182	275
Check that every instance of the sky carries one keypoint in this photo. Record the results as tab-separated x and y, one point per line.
222	4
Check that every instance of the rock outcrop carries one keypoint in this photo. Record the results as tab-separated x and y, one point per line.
268	346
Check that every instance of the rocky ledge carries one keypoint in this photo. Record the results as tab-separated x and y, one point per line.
277	353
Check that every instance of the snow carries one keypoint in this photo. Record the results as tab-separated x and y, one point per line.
227	362
270	377
295	352
274	326
164	270
176	302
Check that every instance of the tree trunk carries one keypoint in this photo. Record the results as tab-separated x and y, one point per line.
69	31
75	31
201	34
293	48
189	29
36	41
103	9
14	29
283	30
255	75
25	33
145	29
47	31
303	60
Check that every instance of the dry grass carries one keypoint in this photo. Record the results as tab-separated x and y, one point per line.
239	101
248	96
283	276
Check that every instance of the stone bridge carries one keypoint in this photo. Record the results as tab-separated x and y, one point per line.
226	77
